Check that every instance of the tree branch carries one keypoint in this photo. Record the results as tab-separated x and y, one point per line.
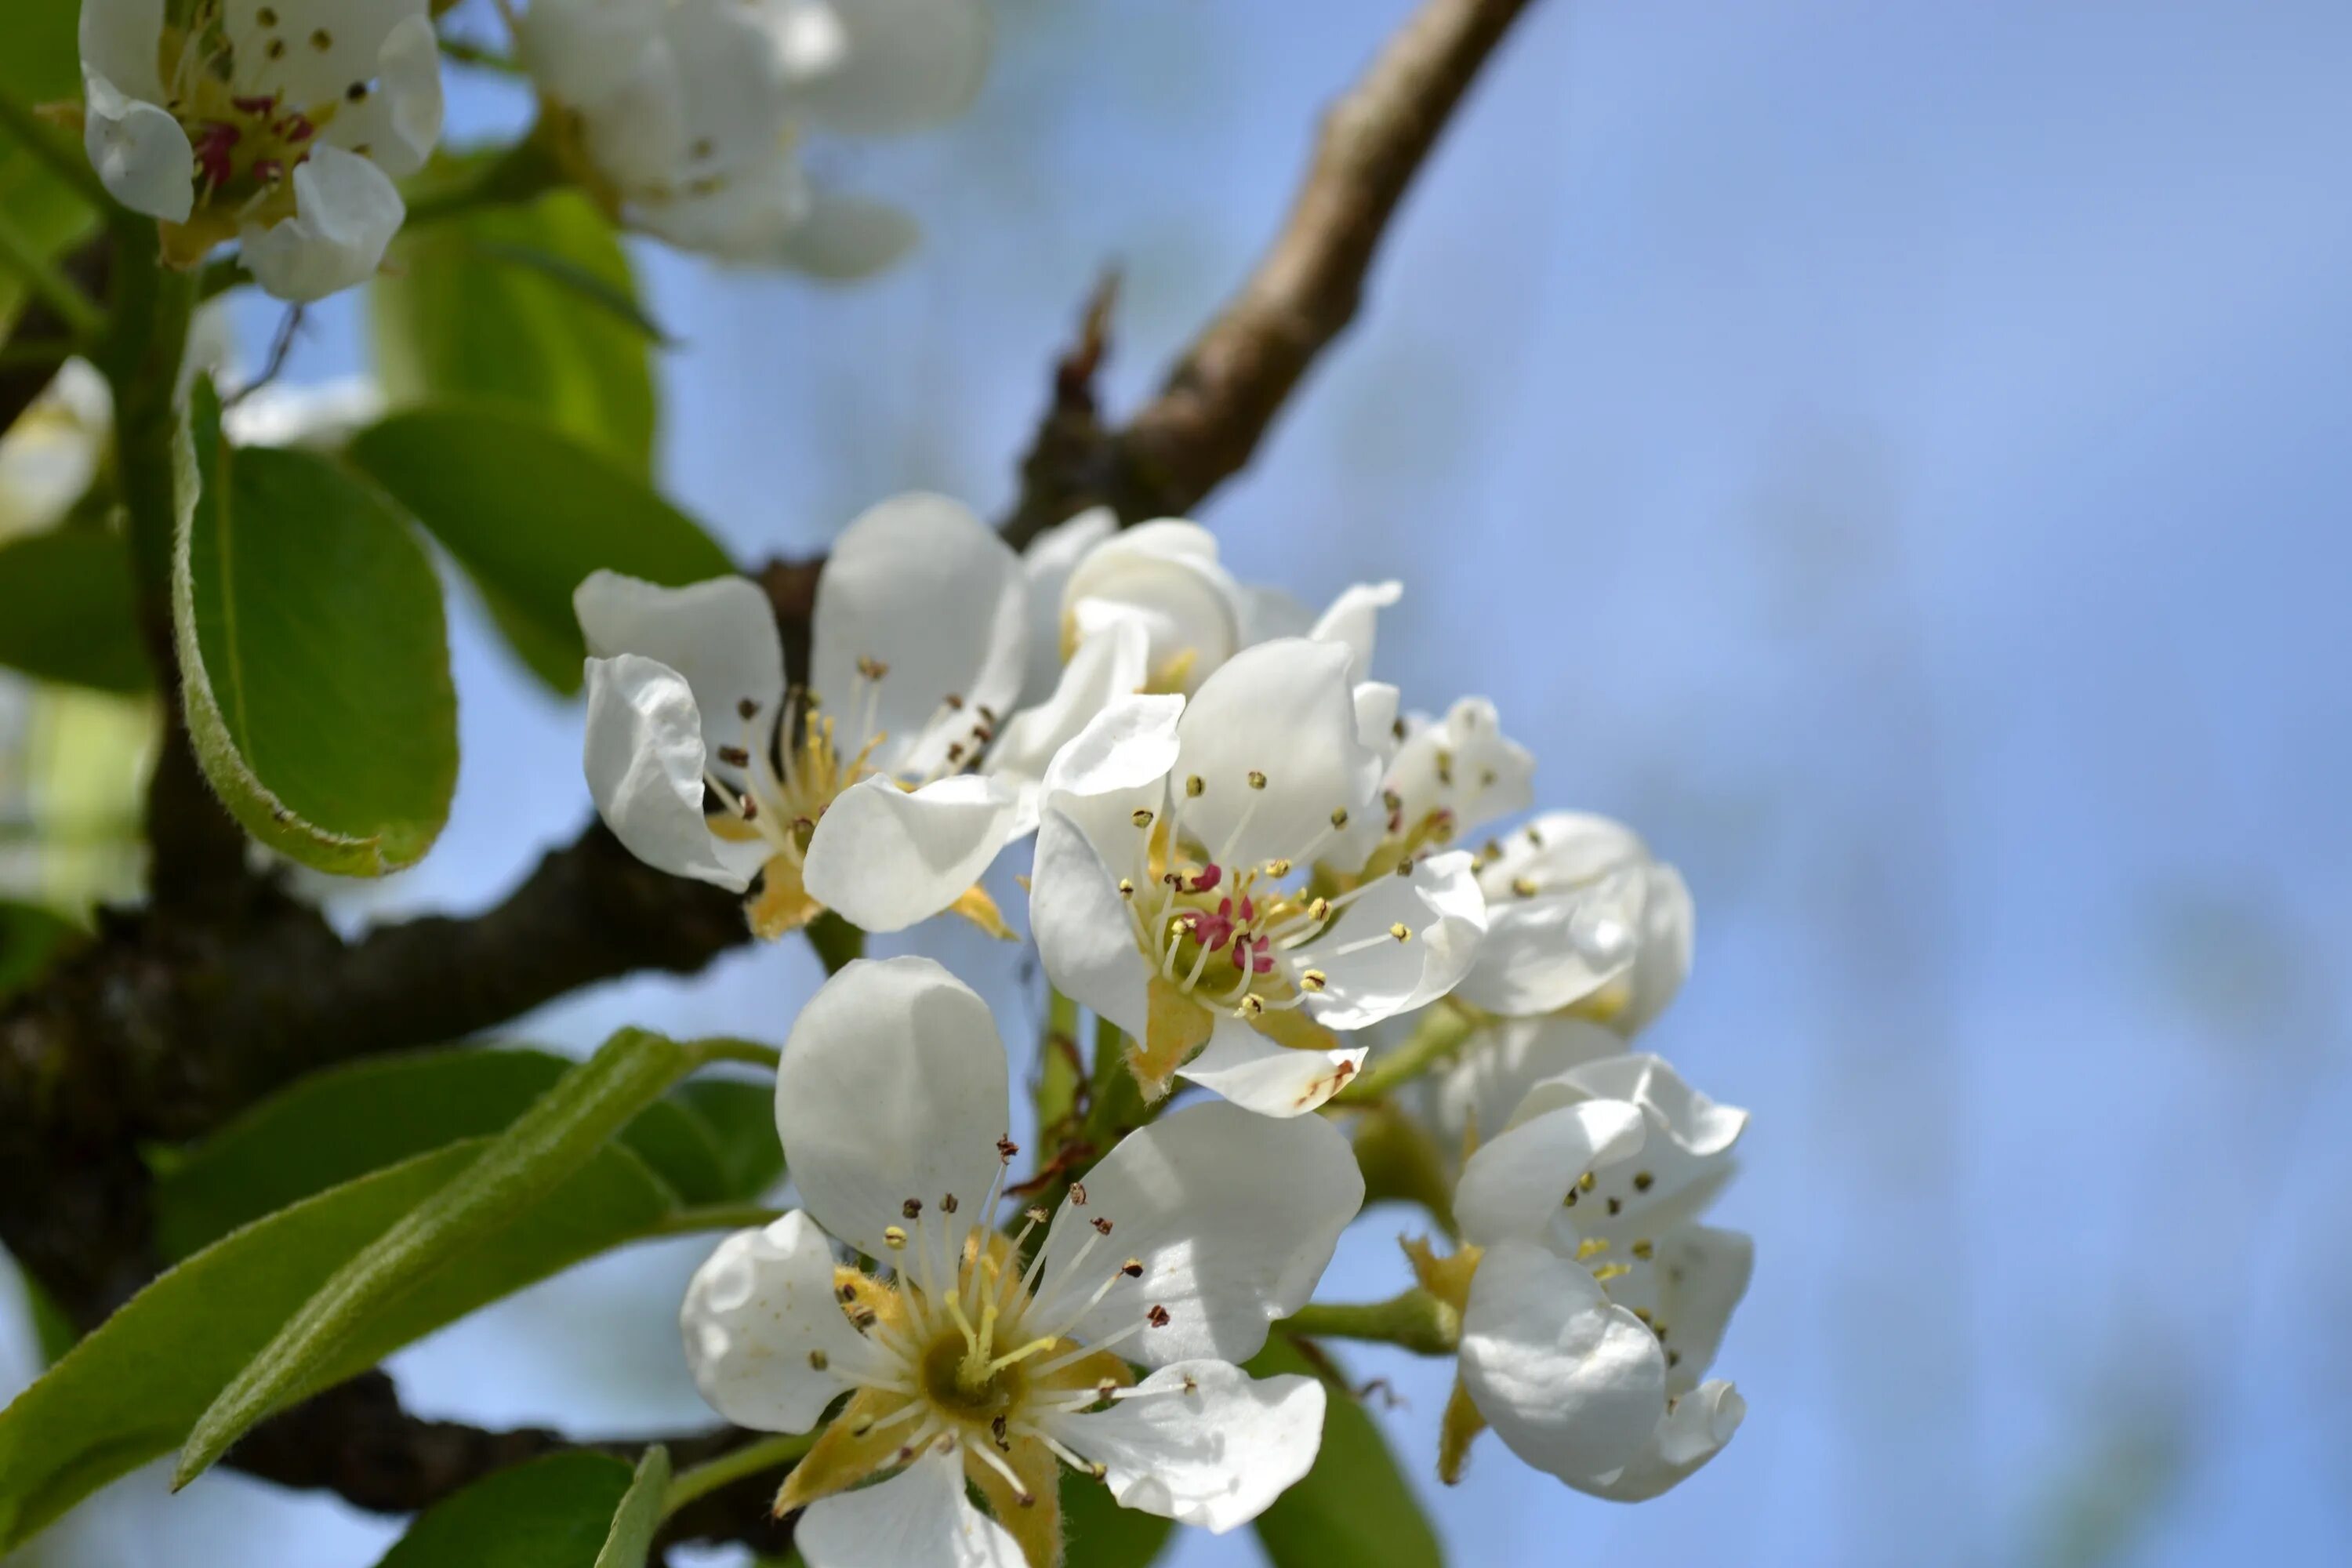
164	1027
1217	403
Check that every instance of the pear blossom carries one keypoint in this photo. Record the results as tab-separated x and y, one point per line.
682	116
965	1366
1166	576
279	123
1592	1302
1186	885
850	793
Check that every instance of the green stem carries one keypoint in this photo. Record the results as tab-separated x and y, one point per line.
42	140
700	1217
1057	1066
1442	1029
729	1048
22	257
767	1454
1417	1320
141	357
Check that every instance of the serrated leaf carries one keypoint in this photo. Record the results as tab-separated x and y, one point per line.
561	1131
130	1390
631	1539
314	661
1355	1506
553	1512
532	307
528	512
330	1127
65	610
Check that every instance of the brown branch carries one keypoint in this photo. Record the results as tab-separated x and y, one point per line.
164	1027
1218	402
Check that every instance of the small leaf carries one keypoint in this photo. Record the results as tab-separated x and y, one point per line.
631	1539
560	1132
315	664
1354	1506
553	1512
65	610
528	512
130	1390
330	1127
1099	1534
531	307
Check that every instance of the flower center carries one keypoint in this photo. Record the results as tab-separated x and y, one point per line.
246	138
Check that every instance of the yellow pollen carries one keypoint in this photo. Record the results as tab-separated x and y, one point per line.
1126	889
1339	816
1194	785
1609	1271
1142	817
1524	885
1257	779
1642	1249
1401	931
1277	869
1591	1247
1586	1181
894	1237
1313	980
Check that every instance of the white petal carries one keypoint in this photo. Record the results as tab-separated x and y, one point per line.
1545	952
893	1087
1085	938
1286	709
139	152
1466	766
1268	612
1685	1150
399	119
1439	904
1353	619
1262	1075
1232	1215
869	68
1501	1062
1216	1454
1573	1384
345	213
644	759
328	44
925	589
842	236
917	1519
883	858
1663	957
720	635
1693	1278
1516	1182
746	220
582	51
119	40
1165	574
1108	666
765	1337
1123	754
1046	565
1696	1429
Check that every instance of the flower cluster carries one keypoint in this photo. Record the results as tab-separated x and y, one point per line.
1256	872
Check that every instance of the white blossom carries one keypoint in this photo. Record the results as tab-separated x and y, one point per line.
684	116
281	123
961	1365
1186	885
1596	1301
851	794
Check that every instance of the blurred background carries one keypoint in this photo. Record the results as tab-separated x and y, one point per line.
1897	456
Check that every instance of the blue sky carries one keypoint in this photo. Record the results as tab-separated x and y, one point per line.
1894	455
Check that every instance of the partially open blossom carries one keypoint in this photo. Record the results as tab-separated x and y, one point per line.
1186	886
970	1362
281	124
850	794
1592	1302
683	116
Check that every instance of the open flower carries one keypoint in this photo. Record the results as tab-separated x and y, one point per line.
1184	887
966	1365
681	116
1592	1302
281	123
850	793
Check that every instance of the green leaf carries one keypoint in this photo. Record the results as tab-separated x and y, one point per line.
65	610
42	63
315	661
1101	1534
329	1127
631	1539
560	1132
528	512
130	1390
33	938
1354	1506
532	307
50	214
553	1512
